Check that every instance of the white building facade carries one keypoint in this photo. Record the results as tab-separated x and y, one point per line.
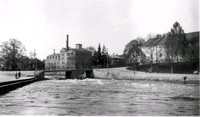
154	50
69	58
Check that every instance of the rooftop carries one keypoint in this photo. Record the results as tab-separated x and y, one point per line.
54	54
152	42
193	36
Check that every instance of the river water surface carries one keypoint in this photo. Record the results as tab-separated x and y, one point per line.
102	97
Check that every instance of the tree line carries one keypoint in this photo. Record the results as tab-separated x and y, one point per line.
177	46
13	57
100	57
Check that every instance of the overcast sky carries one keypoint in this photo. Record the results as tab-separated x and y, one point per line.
43	24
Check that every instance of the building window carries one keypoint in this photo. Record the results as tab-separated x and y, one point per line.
72	53
68	54
160	55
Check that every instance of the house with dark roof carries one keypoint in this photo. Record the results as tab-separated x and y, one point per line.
69	58
116	60
155	52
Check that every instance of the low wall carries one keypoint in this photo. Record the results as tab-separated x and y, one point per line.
5	87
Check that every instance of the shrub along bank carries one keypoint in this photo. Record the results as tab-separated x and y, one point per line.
188	67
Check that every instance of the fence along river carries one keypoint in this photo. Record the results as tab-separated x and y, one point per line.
102	97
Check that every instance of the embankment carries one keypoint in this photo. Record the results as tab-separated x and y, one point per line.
123	74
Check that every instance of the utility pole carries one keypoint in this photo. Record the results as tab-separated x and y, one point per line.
107	58
35	63
107	62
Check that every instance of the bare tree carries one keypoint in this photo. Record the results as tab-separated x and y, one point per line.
176	44
11	51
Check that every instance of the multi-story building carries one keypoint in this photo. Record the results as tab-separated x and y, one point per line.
69	58
155	52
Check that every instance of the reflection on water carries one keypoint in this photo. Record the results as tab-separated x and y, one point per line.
102	97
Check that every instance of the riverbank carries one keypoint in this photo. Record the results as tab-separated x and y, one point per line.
123	74
10	75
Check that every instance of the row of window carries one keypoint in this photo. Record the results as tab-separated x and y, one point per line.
160	55
52	57
58	56
68	54
54	63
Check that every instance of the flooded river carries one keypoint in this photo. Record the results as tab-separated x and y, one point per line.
102	97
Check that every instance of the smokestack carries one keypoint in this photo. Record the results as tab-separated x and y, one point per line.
67	43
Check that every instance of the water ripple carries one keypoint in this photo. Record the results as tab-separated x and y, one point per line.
102	97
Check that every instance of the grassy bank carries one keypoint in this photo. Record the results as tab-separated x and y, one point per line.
123	73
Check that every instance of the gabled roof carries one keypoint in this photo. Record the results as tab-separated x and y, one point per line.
193	36
152	42
162	41
148	43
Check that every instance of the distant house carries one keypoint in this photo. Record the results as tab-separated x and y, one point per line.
155	52
117	60
154	49
69	58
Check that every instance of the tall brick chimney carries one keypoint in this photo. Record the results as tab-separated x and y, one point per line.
67	43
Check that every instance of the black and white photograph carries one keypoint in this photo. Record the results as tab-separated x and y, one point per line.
99	58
